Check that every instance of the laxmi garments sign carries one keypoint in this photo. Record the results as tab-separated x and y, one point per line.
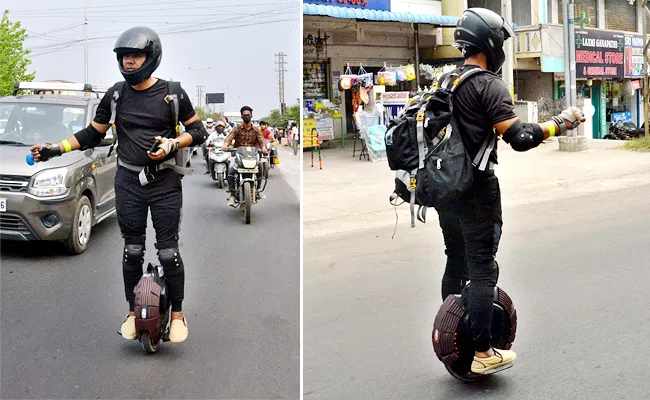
381	5
599	54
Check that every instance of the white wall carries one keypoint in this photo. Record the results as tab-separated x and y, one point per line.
433	7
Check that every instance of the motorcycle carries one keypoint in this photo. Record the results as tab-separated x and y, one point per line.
273	153
218	161
152	309
618	131
246	182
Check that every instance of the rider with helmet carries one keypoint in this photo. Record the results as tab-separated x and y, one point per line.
472	227
143	180
245	134
210	128
218	130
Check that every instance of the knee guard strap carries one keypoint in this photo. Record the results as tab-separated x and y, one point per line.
133	257
171	261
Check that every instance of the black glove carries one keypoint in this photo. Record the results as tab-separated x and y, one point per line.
48	151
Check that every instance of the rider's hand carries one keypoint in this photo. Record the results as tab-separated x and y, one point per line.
45	151
265	151
577	114
572	117
166	146
224	148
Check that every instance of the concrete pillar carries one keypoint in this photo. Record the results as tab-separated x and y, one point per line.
452	8
600	8
639	16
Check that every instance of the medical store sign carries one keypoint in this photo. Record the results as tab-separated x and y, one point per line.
599	54
381	5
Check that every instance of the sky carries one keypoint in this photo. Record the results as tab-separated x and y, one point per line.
228	46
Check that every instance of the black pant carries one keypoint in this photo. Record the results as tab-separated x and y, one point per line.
472	230
164	196
232	175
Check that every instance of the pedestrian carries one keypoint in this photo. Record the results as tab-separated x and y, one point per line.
295	138
472	226
144	180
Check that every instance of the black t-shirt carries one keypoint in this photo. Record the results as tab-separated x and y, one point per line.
480	102
142	115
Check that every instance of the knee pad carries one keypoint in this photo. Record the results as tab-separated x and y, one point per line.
171	261
133	257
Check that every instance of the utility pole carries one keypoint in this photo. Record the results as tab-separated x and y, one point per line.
86	41
199	92
646	43
568	23
508	64
281	70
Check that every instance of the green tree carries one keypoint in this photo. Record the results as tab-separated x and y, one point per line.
203	115
13	56
280	121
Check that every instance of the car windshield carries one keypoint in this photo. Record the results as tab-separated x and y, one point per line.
35	123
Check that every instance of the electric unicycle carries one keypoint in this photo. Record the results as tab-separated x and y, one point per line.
152	309
452	339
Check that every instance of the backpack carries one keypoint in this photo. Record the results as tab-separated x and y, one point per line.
425	149
172	98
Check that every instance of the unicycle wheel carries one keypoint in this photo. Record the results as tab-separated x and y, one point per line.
147	343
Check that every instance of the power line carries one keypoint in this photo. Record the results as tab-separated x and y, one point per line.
124	7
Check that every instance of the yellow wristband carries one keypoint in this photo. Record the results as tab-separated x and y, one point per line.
66	146
551	129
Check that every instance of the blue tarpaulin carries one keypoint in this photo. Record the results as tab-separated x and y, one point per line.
374	15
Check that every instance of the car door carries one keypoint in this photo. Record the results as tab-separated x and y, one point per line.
104	170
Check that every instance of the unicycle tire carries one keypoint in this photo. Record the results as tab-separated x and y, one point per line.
147	344
451	336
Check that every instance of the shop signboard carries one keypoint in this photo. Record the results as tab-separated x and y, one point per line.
633	56
309	131
393	103
622	117
325	128
381	5
599	54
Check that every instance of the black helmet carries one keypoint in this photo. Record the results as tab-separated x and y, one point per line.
486	31
139	40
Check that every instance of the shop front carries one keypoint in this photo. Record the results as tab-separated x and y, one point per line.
377	48
609	66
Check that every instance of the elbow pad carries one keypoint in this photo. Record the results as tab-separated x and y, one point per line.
89	137
197	131
523	136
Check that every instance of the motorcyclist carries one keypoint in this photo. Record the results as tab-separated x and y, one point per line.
244	135
472	226
217	131
143	180
210	128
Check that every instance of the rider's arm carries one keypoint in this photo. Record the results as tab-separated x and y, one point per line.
230	138
195	132
521	136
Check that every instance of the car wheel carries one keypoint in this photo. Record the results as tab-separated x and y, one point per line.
81	229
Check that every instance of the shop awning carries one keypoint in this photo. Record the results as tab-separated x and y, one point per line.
374	15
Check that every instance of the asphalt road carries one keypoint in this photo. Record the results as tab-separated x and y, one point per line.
59	314
578	273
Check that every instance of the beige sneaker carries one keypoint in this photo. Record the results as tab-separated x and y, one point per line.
178	331
500	358
128	327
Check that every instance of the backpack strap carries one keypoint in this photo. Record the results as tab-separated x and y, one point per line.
114	107
483	155
174	89
173	99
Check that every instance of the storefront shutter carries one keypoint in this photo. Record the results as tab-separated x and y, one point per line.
620	16
586	6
